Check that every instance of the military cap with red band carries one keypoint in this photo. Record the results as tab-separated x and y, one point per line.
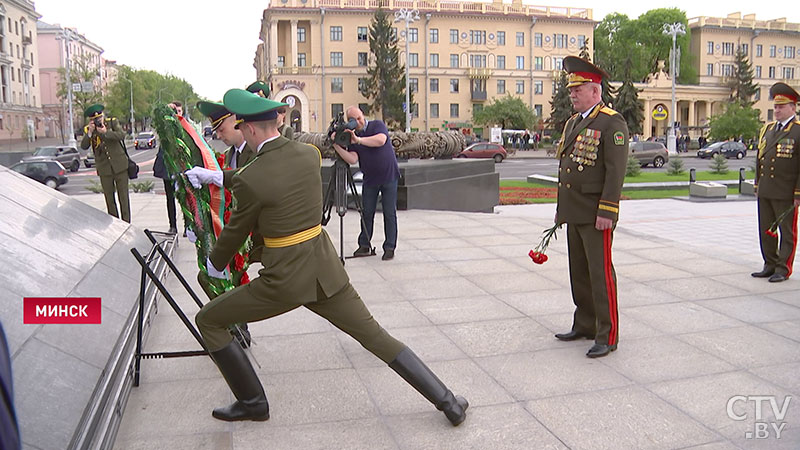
582	71
783	94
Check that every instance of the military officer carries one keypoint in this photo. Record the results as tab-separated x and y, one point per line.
261	89
107	140
237	156
778	184
592	159
279	194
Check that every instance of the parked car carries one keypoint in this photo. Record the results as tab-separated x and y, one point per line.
48	172
67	156
89	160
729	149
207	132
144	140
649	152
485	150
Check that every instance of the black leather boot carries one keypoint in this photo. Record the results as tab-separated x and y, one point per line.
417	374
251	402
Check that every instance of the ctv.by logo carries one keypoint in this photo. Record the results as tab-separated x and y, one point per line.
762	429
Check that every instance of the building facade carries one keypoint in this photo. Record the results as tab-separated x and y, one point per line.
20	100
461	56
54	49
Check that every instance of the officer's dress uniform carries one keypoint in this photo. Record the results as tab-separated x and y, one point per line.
778	184
111	163
592	162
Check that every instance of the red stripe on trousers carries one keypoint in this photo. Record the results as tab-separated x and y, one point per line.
611	289
790	261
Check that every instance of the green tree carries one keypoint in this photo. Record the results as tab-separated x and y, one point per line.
628	104
741	84
736	121
633	168
675	167
509	112
560	106
83	71
584	53
719	164
385	83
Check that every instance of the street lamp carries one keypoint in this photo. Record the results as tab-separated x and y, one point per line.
131	83
159	94
66	36
407	15
673	30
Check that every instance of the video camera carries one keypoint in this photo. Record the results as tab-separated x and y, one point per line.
339	126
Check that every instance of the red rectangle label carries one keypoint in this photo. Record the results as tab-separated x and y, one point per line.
69	310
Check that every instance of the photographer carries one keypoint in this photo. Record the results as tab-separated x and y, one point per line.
107	141
371	147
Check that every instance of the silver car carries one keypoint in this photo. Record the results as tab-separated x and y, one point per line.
649	152
67	156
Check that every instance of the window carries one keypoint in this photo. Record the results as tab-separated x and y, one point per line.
336	84
336	109
788	52
710	50
501	38
454	85
477	60
772	51
788	73
520	62
301	60
477	107
413	35
538	109
710	69
769	115
453	60
415	110
560	40
757	94
33	80
759	50
281	61
581	40
501	87
413	85
758	71
453	36
520	39
394	33
477	37
501	62
537	39
336	33
727	70
453	109
771	72
538	63
362	86
727	48
434	85
520	87
336	58
434	110
434	35
538	87
413	60
301	34
744	48
363	58
434	60
363	34
558	63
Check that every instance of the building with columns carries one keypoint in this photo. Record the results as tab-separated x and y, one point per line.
20	100
461	56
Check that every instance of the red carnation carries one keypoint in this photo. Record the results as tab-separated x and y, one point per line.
238	262
245	279
227	216
537	257
537	254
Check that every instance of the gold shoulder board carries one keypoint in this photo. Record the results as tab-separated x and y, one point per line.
609	111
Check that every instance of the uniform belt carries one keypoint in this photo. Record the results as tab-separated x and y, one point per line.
293	239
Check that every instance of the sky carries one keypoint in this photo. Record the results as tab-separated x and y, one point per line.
211	44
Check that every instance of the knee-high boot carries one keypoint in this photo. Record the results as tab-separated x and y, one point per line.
251	402
417	374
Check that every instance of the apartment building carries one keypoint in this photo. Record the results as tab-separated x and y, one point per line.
461	55
20	102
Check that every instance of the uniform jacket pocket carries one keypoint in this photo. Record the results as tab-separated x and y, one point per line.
592	188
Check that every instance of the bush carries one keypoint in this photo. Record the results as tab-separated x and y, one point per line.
675	167
634	167
95	187
720	164
144	186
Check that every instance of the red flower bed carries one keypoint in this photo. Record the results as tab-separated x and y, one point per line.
521	195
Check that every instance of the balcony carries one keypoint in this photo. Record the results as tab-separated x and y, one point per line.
294	70
479	73
26	40
478	96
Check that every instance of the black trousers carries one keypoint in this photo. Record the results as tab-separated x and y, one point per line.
169	189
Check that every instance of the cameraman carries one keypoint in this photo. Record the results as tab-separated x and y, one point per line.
371	147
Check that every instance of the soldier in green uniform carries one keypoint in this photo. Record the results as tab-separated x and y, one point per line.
592	159
106	138
279	194
261	89
778	184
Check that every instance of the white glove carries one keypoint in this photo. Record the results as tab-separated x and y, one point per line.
199	176
213	272
191	236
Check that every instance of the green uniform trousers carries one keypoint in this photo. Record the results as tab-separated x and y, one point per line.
345	310
118	183
594	282
780	258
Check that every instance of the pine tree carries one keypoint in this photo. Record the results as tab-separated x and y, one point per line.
741	84
385	84
719	164
627	104
633	168
560	105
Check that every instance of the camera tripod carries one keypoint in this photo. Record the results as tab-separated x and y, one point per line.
336	194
